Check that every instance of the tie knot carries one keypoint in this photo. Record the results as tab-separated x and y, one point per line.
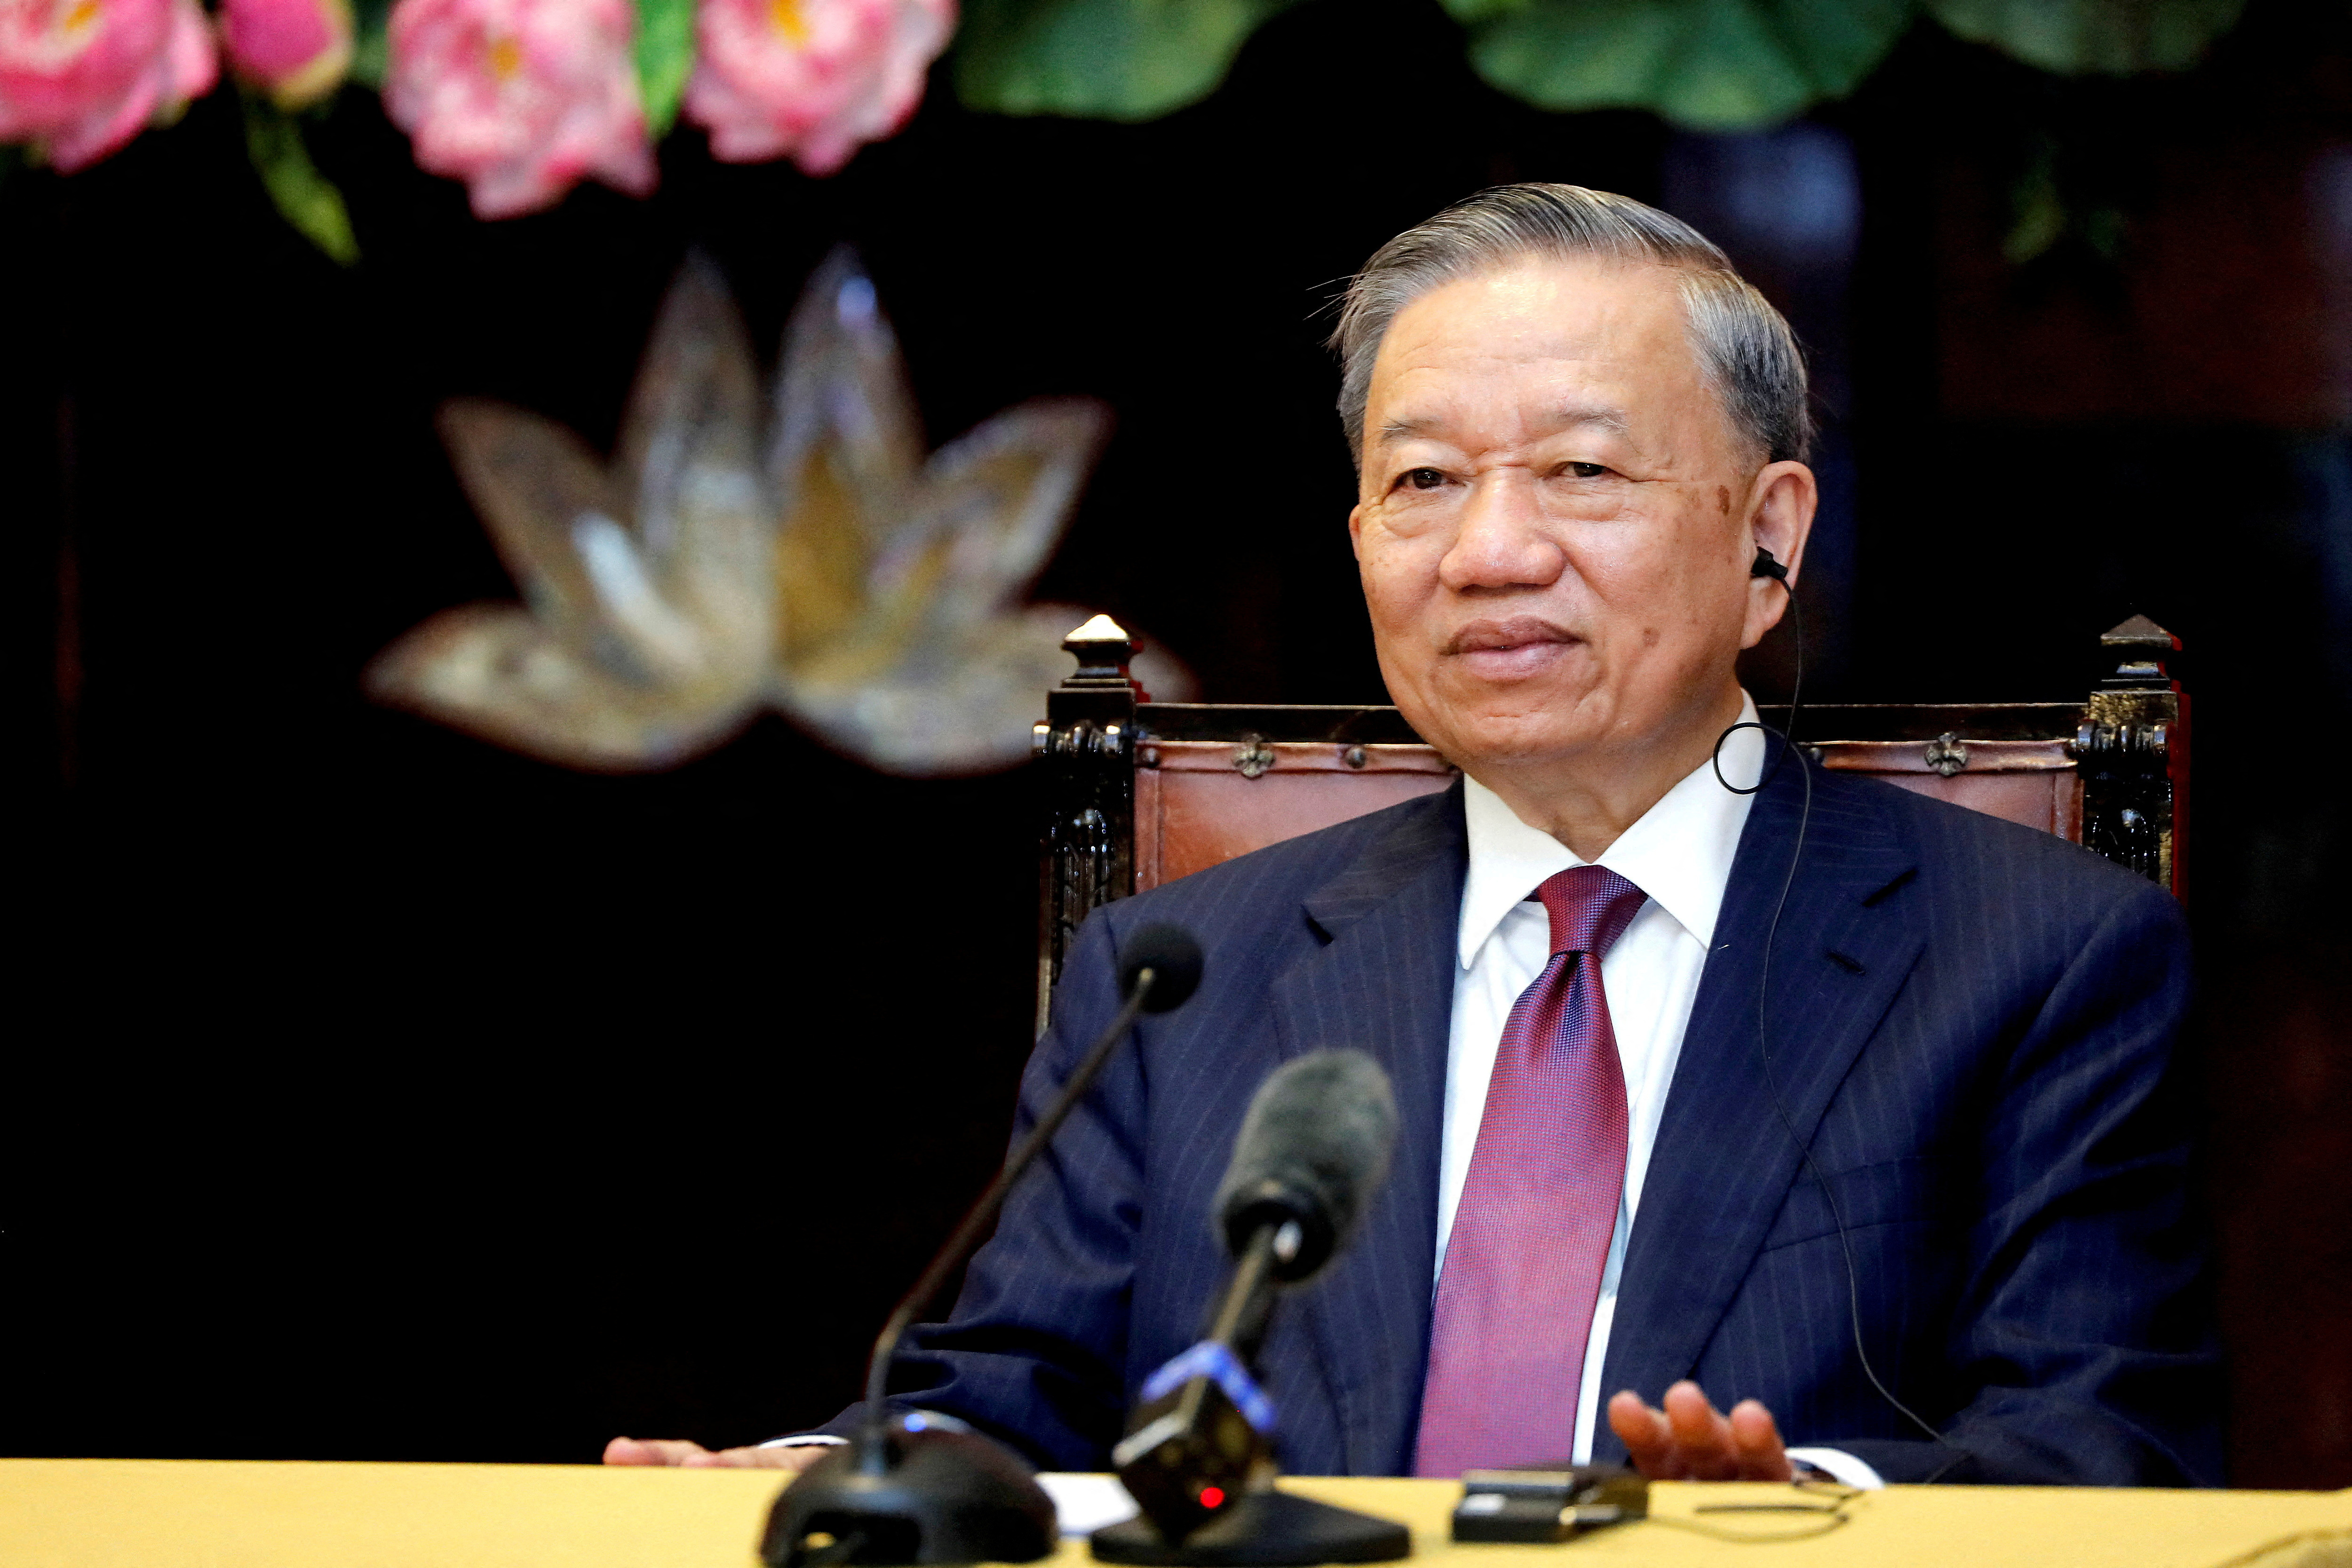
1591	907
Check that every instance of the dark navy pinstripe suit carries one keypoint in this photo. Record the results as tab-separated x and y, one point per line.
1971	1023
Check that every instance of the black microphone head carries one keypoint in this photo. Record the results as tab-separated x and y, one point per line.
1312	1149
1174	960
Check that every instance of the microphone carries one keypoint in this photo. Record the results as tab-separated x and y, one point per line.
926	1488
1313	1148
1314	1145
1164	963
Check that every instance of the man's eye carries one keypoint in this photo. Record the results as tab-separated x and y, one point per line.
1423	479
1586	470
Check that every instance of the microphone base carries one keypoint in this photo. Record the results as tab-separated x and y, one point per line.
949	1496
1263	1529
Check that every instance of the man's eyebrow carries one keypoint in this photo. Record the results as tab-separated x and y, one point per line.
1404	429
1609	419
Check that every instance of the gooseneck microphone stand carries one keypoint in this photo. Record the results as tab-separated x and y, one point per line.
923	1488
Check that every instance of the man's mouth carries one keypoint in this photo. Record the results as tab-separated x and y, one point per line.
1508	649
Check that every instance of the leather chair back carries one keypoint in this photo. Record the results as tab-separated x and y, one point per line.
1141	792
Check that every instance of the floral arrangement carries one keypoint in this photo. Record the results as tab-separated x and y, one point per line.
524	98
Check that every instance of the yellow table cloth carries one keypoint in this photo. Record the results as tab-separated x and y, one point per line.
163	1514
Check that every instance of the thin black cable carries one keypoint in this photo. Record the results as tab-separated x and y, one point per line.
1832	1519
1767	566
1831	1512
1834	1495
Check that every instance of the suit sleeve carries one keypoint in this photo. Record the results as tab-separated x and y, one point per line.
1034	1351
2084	1341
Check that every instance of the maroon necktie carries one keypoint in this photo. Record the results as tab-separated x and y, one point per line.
1531	1235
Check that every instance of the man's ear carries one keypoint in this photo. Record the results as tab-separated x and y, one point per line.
1356	529
1781	506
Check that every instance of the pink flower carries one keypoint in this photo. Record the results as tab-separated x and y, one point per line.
520	99
80	77
816	79
297	50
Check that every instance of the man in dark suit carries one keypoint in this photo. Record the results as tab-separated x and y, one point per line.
1850	1104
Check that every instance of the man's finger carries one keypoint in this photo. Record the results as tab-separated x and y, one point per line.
651	1451
1702	1436
1758	1438
1649	1440
794	1458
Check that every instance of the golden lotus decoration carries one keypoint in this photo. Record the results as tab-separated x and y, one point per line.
823	566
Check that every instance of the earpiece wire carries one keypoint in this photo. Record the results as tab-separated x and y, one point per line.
1763	988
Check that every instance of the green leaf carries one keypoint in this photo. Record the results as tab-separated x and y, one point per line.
1099	59
1710	65
665	60
304	197
371	42
2078	36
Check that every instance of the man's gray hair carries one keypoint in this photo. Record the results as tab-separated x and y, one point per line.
1745	348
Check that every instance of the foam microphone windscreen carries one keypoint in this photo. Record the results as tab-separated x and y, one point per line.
1313	1149
1174	958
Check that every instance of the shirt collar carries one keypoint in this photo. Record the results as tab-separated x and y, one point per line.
1679	851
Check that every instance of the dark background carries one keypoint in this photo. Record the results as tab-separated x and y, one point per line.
375	1094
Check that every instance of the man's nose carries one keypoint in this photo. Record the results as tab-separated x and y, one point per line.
1502	541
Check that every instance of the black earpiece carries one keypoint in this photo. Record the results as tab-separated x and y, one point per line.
1765	565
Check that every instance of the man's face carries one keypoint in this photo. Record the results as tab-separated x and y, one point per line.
1557	519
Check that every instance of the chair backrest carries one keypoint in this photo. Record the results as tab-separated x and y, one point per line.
1141	793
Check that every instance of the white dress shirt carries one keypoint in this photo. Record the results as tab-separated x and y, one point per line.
1680	853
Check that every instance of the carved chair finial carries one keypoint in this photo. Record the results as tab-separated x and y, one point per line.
2139	647
1103	649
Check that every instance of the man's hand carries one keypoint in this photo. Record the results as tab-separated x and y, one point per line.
694	1457
1688	1441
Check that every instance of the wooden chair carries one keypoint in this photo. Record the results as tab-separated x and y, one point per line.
1141	793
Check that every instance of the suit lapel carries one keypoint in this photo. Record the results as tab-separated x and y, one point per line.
1723	1162
1383	983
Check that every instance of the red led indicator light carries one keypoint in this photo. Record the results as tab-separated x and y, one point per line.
1213	1497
